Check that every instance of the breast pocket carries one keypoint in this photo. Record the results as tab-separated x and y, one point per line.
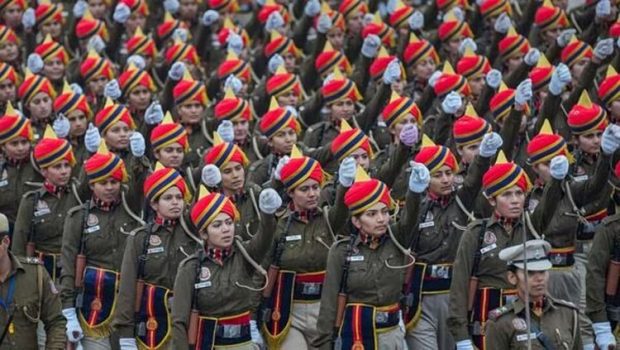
27	312
358	273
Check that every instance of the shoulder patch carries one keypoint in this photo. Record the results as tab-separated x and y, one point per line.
477	222
31	193
137	230
499	312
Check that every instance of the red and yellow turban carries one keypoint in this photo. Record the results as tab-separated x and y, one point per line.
89	26
380	63
48	12
502	176
276	119
51	150
401	14
13	125
224	152
418	50
180	51
137	6
271	7
232	107
513	45
339	88
140	44
95	66
546	145
189	90
351	7
614	30
450	81
380	29
209	206
617	170
472	65
103	165
493	8
21	3
299	169
167	133
575	51
134	77
609	89
163	179
502	102
50	49
365	193
453	28
111	114
168	26
336	17
349	140
330	59
223	6
282	82
280	45
398	108
34	84
435	156
586	117
549	17
446	5
69	101
7	35
7	72
469	129
233	65
541	74
228	28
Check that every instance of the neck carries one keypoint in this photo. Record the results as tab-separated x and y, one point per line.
229	192
5	267
531	299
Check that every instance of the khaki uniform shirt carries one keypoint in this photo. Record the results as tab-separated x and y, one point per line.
13	185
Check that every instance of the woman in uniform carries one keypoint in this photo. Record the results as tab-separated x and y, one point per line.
152	256
75	108
37	94
213	293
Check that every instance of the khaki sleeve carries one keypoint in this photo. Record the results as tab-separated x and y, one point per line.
473	181
389	170
260	244
22	226
329	297
338	213
124	317
598	260
182	303
51	313
496	336
71	237
407	226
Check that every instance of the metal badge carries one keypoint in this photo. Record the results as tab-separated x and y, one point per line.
92	220
312	289
232	331
519	324
489	237
154	240
205	273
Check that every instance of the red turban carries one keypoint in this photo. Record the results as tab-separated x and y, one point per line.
161	180
207	208
51	150
103	165
299	169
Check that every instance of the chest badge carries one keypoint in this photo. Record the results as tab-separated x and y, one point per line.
519	324
92	220
205	274
154	240
489	237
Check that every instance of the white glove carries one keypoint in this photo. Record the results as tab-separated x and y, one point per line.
416	20
210	17
603	8
371	45
390	6
180	34
211	175
128	343
502	23
176	71
61	126
137	61
112	90
564	38
260	3
324	23
604	48
121	13
559	79
618	42
76	88
392	72
73	329
490	144
558	167
452	102
433	78
409	135
269	201
235	43
96	43
274	62
368	18
494	78
154	114
346	171
464	345
28	18
79	8
531	57
35	63
277	174
92	139
226	131
611	139
274	21
293	110
420	178
312	8
171	6
604	337
255	333
465	43
233	83
137	144
523	93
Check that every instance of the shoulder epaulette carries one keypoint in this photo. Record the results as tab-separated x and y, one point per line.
30	193
135	231
477	222
29	260
188	259
75	209
500	311
565	303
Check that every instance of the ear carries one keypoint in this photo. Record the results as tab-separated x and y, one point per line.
356	222
154	205
492	201
6	240
459	150
156	154
512	278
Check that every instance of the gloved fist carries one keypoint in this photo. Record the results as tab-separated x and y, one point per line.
467	43
559	79
368	18
491	142
61	126
604	337
464	345
293	111
79	8
121	13
28	18
128	343
416	20
226	131
211	175
35	63
559	167
409	135
274	62
235	43
112	90
137	144
531	57
255	334
269	201
452	103
233	83
564	38
603	8
277	174
73	329
176	71
604	48
76	88
346	171
324	23
524	93
92	139
371	45
420	178
171	6
392	72
611	139
434	77
494	78
180	34
210	17
274	21
96	43
154	114
312	8
502	23
137	61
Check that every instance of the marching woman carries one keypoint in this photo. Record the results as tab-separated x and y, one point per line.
73	113
37	94
213	297
152	256
360	300
93	243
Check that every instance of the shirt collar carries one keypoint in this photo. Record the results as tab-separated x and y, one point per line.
218	255
103	206
55	190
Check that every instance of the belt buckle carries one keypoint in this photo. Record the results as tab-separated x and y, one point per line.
311	288
440	272
232	331
584	247
382	317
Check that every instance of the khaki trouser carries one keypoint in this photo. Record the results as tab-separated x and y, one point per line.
303	327
91	343
392	339
246	346
431	331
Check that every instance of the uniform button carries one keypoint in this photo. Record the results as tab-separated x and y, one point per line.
59	215
445	243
